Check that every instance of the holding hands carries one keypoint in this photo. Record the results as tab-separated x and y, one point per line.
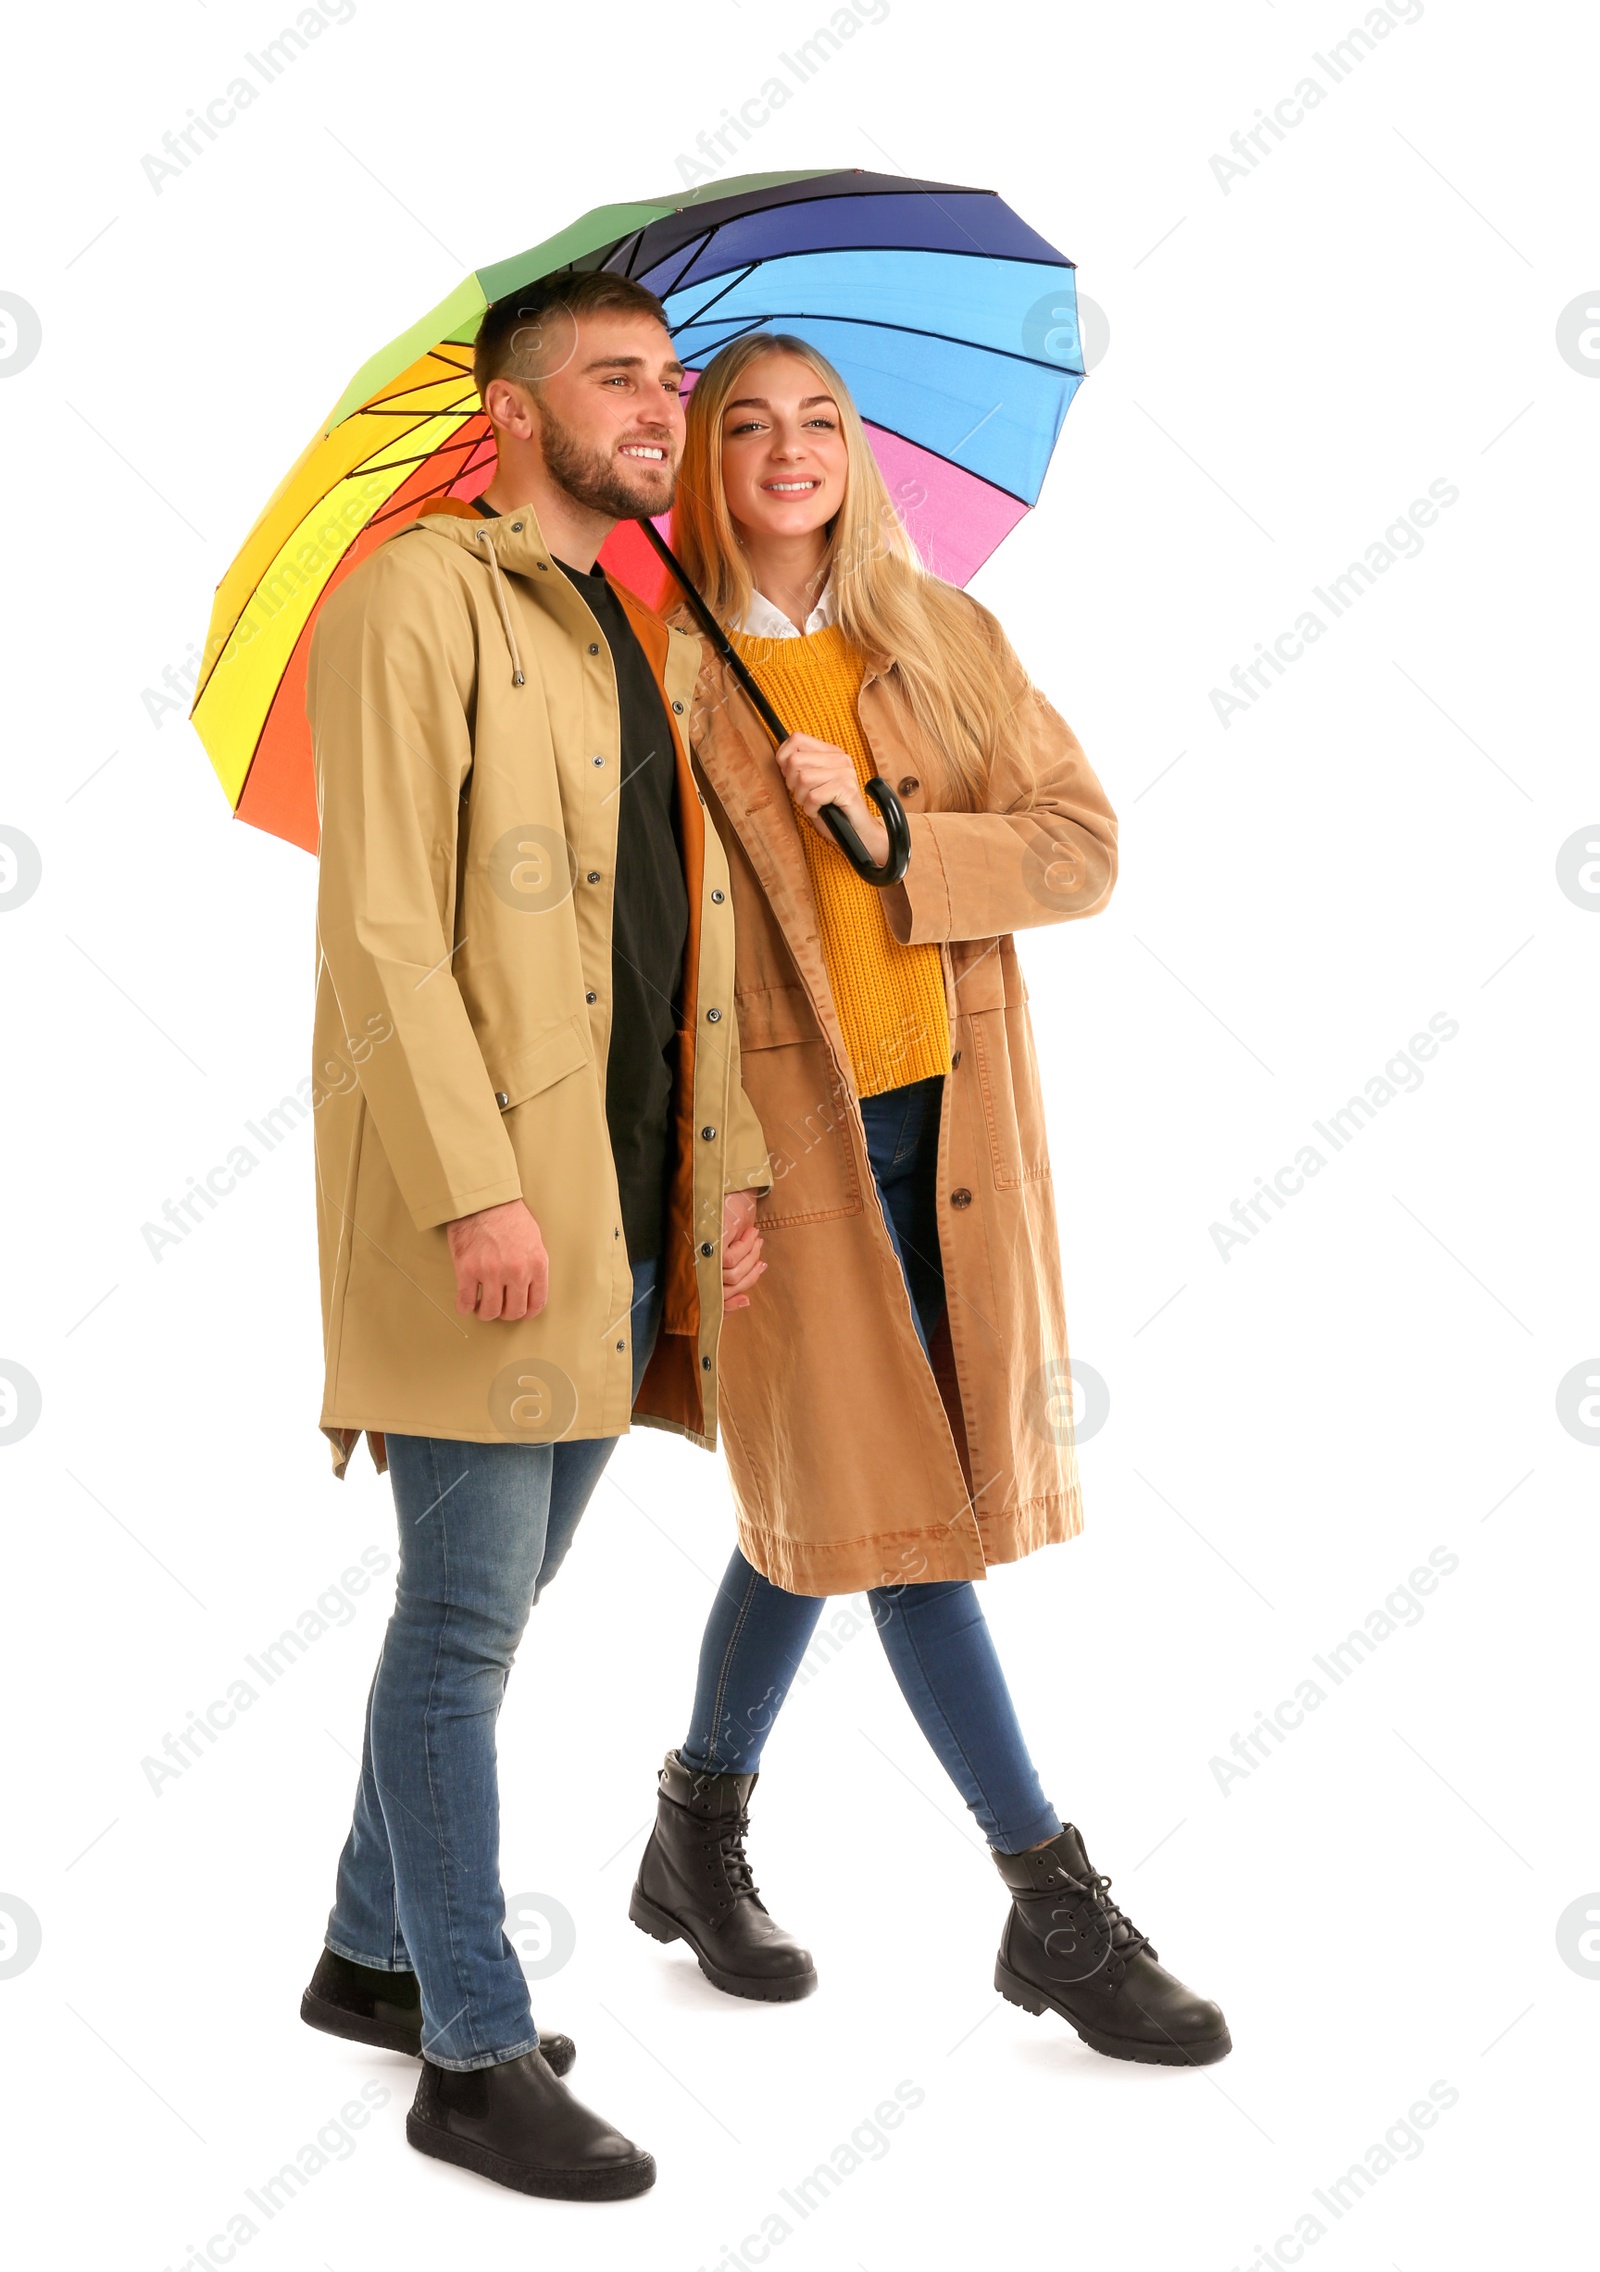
503	1271
741	1250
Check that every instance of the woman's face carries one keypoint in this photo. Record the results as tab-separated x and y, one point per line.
784	461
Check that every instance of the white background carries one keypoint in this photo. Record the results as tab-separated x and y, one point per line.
1292	1429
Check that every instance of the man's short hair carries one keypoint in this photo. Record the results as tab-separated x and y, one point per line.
527	336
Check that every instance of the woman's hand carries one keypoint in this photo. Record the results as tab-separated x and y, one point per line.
741	1250
818	774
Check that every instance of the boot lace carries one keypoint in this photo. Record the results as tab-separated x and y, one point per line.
1127	1942
1095	1917
725	1839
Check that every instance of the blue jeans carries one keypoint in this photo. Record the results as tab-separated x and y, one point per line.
934	1636
483	1530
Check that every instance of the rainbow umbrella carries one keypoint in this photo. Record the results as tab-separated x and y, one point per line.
954	325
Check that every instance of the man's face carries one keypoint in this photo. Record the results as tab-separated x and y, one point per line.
610	417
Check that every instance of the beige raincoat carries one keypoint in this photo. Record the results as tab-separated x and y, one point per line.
465	719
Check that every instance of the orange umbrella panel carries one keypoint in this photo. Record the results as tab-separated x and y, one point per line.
426	434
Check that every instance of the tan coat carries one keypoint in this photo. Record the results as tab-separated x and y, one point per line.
460	708
853	1465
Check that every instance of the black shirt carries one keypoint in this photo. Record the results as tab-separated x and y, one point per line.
649	928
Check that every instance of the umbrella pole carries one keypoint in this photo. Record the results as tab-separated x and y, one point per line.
837	821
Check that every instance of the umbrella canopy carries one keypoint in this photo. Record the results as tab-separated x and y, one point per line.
953	324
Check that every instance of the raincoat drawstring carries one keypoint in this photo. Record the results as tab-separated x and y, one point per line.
500	601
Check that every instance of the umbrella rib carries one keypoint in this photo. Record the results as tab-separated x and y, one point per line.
697	245
927	449
398	465
261	730
407	407
907	330
935	252
461	417
386	513
886	186
706	306
754	324
363	409
478	455
633	242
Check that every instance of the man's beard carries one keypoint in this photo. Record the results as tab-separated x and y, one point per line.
596	481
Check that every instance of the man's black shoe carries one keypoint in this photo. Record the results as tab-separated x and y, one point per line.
519	2125
384	2009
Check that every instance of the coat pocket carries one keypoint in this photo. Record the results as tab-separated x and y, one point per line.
555	1054
553	1109
985	975
803	1107
770	1015
977	976
1013	1108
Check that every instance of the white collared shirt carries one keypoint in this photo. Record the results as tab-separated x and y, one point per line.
764	621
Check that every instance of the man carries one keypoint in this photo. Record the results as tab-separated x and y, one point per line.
537	1199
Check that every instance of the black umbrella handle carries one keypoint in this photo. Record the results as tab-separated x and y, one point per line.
894	820
835	817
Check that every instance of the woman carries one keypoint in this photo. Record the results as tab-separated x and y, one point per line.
892	1396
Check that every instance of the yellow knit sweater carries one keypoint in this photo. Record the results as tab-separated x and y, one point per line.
890	998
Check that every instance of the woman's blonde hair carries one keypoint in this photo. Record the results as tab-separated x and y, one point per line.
884	599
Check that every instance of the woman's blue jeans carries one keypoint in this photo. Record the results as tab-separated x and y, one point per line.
483	1530
934	1636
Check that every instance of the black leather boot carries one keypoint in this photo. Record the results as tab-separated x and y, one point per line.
365	2005
520	2125
1068	1945
694	1884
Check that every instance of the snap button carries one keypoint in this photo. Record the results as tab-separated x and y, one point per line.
616	1234
591	997
502	1097
706	1247
594	875
678	706
621	1345
708	1133
516	528
908	784
705	1364
597	761
955	1060
961	1197
541	565
719	897
712	1016
593	649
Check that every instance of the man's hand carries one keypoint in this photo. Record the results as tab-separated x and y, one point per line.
741	1250
502	1269
818	774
